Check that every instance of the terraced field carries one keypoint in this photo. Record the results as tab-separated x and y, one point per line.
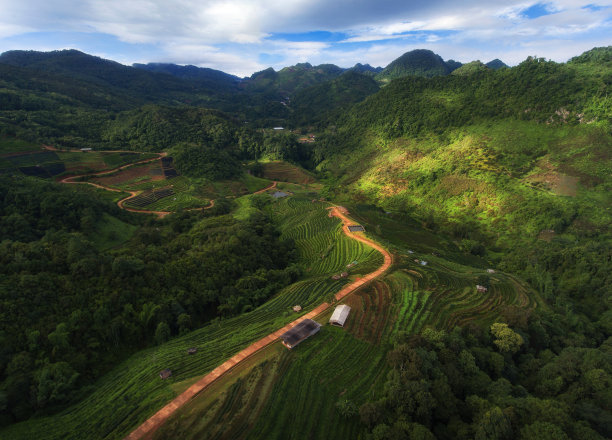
286	172
293	394
283	394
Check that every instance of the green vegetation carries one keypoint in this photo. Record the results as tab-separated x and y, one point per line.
491	177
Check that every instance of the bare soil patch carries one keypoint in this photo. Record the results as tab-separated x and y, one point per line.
128	174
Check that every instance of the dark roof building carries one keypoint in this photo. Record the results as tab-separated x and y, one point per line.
300	332
165	374
356	228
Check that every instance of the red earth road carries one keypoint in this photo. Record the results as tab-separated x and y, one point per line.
121	203
147	429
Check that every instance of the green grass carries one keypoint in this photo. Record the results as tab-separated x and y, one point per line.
111	232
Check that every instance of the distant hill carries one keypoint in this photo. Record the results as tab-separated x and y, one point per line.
453	65
419	62
366	69
496	64
202	75
291	79
91	68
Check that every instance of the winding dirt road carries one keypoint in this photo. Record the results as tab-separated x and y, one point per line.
121	203
148	428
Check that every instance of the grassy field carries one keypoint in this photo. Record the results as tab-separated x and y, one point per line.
111	232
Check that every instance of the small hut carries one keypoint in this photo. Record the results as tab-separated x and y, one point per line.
339	316
344	274
297	308
356	228
490	271
300	332
192	350
336	277
481	289
165	374
423	263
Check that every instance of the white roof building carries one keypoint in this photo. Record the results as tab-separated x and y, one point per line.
339	316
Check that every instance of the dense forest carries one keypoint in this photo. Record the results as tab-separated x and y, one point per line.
70	312
508	166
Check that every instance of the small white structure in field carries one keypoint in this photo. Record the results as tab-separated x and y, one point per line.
297	308
339	316
481	289
490	271
423	263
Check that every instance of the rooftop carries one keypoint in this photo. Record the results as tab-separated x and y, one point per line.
300	332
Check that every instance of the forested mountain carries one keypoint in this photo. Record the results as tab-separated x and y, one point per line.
419	62
290	79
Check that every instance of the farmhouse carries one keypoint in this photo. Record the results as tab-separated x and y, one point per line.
300	332
339	316
165	374
356	228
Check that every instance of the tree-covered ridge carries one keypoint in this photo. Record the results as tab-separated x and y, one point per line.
326	101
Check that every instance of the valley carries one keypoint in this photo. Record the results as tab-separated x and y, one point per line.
158	238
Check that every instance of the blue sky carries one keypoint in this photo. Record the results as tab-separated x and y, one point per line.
245	36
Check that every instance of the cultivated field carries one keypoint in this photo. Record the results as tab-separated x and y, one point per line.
267	396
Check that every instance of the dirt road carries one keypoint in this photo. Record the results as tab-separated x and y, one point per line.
148	428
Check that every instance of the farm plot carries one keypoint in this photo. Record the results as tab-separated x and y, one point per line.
148	197
324	249
133	175
329	367
371	312
42	164
286	172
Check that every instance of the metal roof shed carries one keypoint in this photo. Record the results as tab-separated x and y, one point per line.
300	332
339	316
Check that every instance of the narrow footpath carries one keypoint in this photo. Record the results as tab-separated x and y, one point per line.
148	428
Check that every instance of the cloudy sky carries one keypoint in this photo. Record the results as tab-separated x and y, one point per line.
245	36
